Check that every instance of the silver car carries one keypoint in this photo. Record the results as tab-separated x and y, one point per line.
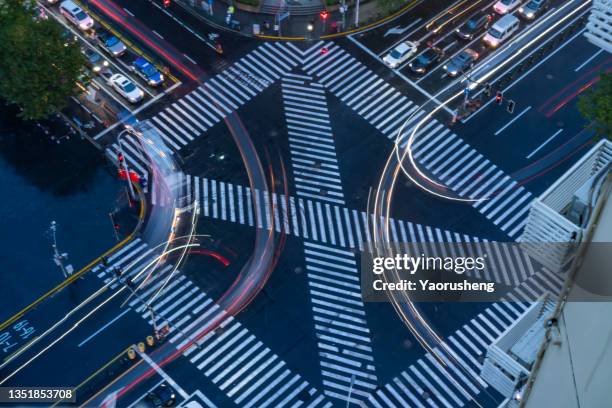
461	62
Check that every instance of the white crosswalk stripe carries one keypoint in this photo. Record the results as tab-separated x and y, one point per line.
426	383
446	156
313	153
343	336
229	356
195	113
339	226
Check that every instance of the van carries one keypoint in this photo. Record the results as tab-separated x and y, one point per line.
76	15
501	30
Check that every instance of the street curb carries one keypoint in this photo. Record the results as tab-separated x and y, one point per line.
83	270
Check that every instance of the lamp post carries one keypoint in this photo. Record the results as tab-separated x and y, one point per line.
59	257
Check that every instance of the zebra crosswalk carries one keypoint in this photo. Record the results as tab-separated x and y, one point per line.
426	383
448	158
199	110
347	228
343	336
325	222
313	153
230	356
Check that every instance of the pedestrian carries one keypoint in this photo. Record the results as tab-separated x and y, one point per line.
118	271
266	25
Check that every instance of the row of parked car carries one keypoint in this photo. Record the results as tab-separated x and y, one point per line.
115	48
481	21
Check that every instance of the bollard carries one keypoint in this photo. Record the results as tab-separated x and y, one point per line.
150	341
141	347
131	353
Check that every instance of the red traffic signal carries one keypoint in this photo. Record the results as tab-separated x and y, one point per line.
324	14
166	3
499	97
120	158
134	177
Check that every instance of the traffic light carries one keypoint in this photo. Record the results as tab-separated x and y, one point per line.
488	89
499	97
510	107
324	14
166	3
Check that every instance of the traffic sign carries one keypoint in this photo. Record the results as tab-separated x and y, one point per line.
283	16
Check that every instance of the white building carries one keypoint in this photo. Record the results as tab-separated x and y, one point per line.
558	217
599	27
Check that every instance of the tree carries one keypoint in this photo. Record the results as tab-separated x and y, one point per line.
596	105
39	69
389	6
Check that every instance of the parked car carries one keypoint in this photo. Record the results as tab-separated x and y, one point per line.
162	396
147	71
126	88
426	60
110	43
476	24
461	62
501	30
400	53
94	60
76	15
506	6
533	9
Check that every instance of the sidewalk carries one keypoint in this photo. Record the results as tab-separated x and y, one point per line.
261	21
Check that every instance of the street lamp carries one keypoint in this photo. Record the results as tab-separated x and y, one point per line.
310	27
59	257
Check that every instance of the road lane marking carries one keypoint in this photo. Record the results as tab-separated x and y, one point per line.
161	372
190	59
512	120
157	34
525	74
591	58
128	11
544	144
103	327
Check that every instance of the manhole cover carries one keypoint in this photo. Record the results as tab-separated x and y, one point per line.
549	76
298	270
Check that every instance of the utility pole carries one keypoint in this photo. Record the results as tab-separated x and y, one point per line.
58	257
357	14
343	10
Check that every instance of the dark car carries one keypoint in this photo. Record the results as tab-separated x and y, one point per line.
162	396
426	60
533	9
461	62
474	25
109	42
147	71
94	60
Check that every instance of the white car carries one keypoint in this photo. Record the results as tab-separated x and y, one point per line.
76	15
400	53
506	6
126	88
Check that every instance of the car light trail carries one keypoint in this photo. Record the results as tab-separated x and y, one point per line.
120	17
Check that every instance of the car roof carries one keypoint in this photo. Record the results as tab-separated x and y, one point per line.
141	61
505	22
